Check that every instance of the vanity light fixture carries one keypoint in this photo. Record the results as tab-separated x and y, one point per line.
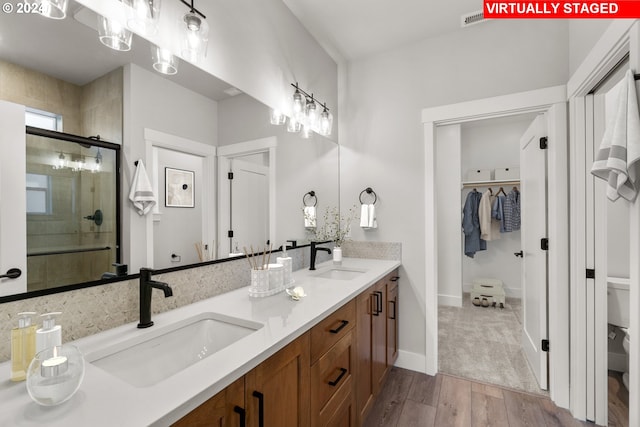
61	162
195	33
164	61
54	9
113	34
305	115
143	16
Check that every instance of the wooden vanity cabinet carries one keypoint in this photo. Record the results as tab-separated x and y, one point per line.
225	409
277	392
376	329
333	369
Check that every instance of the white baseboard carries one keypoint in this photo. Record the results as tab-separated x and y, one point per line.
509	292
617	362
412	361
452	300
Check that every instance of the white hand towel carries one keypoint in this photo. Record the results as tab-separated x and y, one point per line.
618	159
373	221
364	216
141	193
310	217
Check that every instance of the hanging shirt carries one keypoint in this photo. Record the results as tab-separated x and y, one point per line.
511	211
471	225
489	227
497	212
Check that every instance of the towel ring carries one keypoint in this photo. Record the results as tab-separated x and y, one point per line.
310	194
368	190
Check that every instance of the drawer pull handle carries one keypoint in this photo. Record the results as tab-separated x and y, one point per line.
335	382
395	278
260	398
375	310
393	316
241	412
343	323
379	301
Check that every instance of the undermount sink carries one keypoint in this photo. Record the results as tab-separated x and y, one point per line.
146	361
340	273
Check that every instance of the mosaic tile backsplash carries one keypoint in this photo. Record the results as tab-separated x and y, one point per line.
91	310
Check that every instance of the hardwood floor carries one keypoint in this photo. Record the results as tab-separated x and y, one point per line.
413	399
618	401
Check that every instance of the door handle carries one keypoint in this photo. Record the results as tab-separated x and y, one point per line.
260	398
12	273
379	301
376	312
519	254
241	412
335	382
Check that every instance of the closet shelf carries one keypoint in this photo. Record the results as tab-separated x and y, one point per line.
491	183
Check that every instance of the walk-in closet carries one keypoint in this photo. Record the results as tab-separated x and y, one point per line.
480	260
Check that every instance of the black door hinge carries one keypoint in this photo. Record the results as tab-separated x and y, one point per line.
230	233
544	143
591	273
544	244
545	345
230	175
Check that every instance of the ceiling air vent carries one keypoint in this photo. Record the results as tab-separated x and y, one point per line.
472	18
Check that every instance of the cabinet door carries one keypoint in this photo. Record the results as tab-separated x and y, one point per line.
364	387
392	321
225	409
278	390
379	336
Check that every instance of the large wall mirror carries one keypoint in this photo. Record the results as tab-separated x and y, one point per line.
191	130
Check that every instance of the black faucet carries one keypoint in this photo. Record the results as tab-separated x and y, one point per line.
145	296
314	250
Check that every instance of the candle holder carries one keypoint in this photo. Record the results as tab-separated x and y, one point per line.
55	374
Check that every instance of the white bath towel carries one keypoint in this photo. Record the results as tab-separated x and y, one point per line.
368	218
618	159
310	217
141	193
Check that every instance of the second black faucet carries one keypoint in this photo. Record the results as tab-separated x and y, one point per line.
146	284
314	250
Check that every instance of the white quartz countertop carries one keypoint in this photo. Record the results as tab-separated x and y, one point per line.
105	400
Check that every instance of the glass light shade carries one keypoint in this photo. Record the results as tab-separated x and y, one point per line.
298	106
60	162
112	34
311	114
277	118
54	9
164	61
326	123
293	125
194	31
306	132
143	16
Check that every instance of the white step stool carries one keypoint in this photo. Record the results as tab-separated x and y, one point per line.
490	289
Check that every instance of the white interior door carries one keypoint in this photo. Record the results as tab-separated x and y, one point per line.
249	205
13	204
533	202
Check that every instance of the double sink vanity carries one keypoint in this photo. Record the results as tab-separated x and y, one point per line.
233	360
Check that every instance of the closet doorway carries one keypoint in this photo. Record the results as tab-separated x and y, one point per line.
485	331
441	255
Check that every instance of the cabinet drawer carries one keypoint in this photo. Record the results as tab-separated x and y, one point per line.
330	330
332	380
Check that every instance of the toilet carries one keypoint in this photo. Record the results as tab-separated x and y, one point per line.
618	313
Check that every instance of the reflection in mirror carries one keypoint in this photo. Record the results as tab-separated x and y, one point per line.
61	67
72	210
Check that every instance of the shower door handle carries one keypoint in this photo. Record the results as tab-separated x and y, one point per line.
519	254
12	273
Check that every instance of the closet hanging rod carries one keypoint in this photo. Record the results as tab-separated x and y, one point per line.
490	183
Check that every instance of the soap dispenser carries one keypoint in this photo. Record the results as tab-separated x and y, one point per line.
287	263
50	334
23	346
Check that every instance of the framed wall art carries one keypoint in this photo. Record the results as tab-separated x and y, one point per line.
179	191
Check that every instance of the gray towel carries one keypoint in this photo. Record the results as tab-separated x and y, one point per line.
617	160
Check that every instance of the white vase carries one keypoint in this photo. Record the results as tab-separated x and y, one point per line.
337	255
